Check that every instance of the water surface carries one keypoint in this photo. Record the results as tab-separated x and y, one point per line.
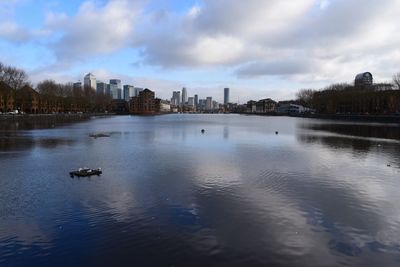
318	193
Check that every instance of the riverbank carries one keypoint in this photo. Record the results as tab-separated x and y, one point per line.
339	117
30	121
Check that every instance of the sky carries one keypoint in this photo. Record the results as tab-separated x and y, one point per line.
257	48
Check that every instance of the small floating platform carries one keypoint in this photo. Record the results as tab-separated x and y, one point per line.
99	135
85	172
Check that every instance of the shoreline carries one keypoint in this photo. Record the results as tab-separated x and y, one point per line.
337	117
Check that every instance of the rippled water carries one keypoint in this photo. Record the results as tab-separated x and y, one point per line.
318	193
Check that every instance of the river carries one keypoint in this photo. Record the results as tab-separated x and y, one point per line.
249	191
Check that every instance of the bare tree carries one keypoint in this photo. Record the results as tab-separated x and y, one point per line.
396	80
48	88
304	96
15	78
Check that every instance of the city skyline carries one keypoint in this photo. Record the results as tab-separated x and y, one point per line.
306	46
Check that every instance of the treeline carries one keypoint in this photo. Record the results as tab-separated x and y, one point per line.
56	97
378	99
72	98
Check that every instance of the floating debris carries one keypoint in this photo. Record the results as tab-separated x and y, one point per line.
85	172
99	135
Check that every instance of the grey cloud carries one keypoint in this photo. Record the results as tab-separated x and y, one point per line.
95	30
13	33
275	67
257	29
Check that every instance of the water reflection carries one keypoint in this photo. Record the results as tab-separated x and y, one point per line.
169	195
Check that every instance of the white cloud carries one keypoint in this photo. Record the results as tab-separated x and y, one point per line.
94	30
12	32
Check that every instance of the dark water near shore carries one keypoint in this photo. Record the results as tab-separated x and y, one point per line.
319	193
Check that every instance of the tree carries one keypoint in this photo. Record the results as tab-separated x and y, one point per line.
396	80
305	96
15	78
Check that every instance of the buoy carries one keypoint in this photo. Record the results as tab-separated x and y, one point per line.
202	130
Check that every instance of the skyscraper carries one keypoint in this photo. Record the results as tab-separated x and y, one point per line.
184	96
116	88
226	96
176	98
129	91
101	88
196	100
138	90
90	81
191	101
209	103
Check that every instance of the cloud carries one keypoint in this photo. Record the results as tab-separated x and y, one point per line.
275	38
12	32
94	30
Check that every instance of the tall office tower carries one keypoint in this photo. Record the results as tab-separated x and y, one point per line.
226	96
129	91
215	105
184	96
196	100
138	90
77	85
191	101
114	91
176	95
116	86
108	89
209	103
101	88
89	81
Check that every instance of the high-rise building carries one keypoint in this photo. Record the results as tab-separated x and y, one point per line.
209	103
191	101
184	96
176	98
101	87
116	88
196	100
129	91
90	81
77	85
138	90
226	96
114	91
108	89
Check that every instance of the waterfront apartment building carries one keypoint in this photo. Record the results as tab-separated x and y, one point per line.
144	103
226	96
90	81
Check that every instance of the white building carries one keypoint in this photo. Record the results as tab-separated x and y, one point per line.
90	81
